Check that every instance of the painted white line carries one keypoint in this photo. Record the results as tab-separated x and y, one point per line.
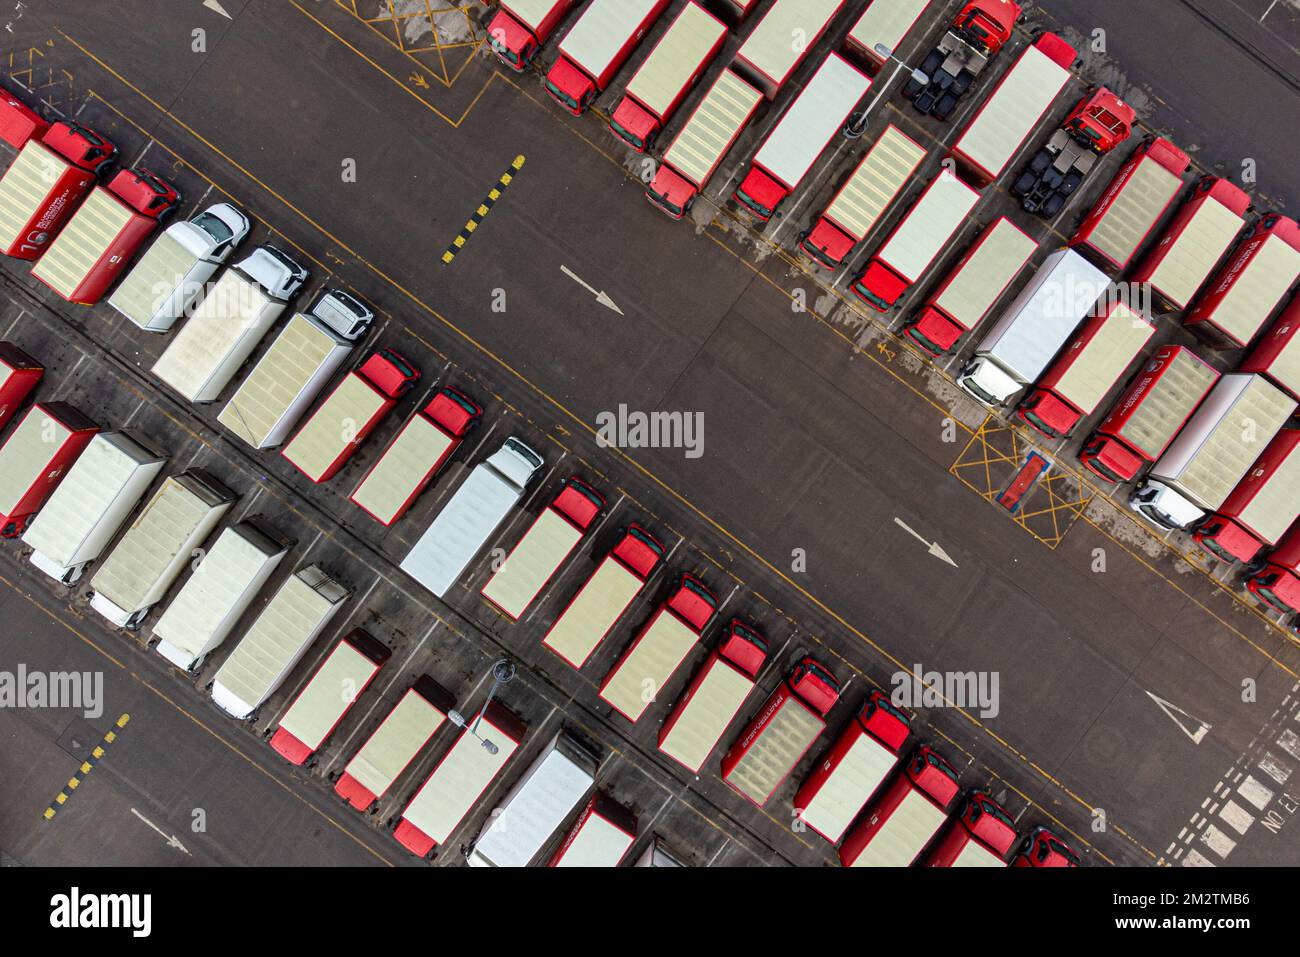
171	839
1218	842
1237	817
13	325
1194	727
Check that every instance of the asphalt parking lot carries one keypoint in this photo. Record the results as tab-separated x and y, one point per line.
822	433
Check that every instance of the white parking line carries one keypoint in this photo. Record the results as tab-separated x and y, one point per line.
136	161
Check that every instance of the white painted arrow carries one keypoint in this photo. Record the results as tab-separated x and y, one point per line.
1198	735
216	7
171	840
601	296
935	548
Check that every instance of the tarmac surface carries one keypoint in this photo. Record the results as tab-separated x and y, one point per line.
1146	706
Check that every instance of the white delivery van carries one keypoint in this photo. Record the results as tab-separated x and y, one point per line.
229	323
293	618
97	496
1018	348
150	556
556	784
286	380
171	276
222	588
468	520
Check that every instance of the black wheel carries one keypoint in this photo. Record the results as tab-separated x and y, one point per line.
1053	205
934	60
962	83
944	107
1071	182
911	89
1038	165
925	101
1023	184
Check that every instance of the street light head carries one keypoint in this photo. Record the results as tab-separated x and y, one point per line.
883	51
489	747
920	77
503	670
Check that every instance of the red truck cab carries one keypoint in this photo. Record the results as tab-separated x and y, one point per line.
579	503
879	286
987	24
18	121
1042	848
516	36
1102	120
19	374
814	685
743	647
570	87
80	145
1277	584
145	192
672	193
693	603
453	412
982	823
761	193
391	374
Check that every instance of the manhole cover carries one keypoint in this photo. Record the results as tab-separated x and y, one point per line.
80	738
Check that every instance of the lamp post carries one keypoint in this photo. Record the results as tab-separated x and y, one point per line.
857	124
503	671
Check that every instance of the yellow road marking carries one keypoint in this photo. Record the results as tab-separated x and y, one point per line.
96	755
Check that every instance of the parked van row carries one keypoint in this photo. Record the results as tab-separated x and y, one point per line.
86	501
